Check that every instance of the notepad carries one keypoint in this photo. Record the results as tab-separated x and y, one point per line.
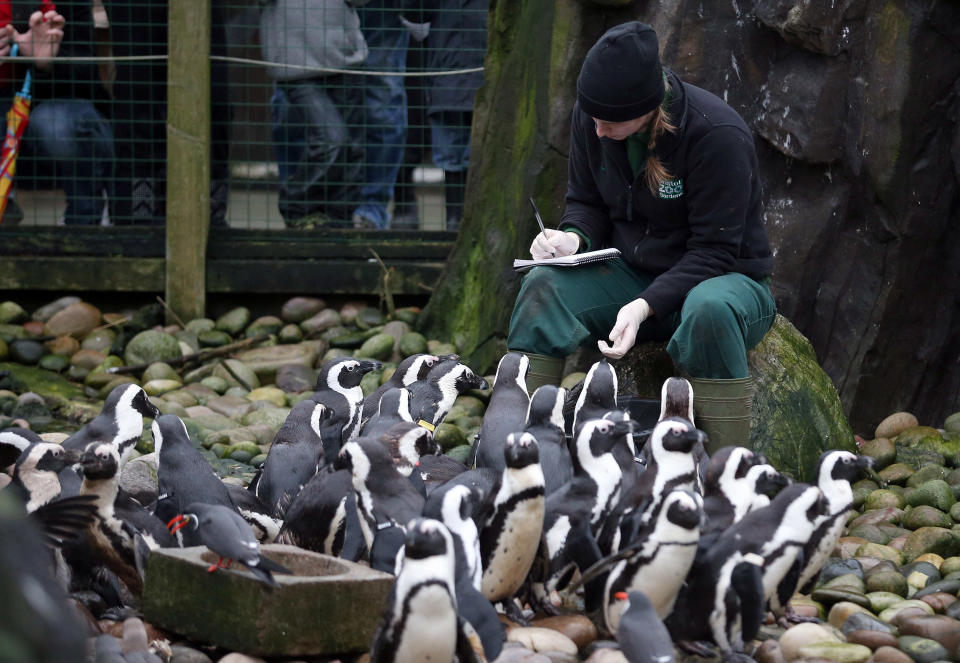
568	261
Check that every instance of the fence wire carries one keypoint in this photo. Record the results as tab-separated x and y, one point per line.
324	113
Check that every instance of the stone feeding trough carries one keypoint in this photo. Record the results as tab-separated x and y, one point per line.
327	606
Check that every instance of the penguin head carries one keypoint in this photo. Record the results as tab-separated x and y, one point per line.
803	505
415	367
727	466
363	457
100	461
512	368
676	398
675	435
599	436
546	406
766	480
412	441
466	380
683	509
13	442
46	457
344	373
521	450
167	429
127	400
427	538
600	385
839	465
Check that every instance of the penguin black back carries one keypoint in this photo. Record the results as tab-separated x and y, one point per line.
409	370
506	412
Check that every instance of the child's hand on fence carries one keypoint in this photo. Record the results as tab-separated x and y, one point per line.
43	38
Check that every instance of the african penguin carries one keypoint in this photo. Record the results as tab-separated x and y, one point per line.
835	471
676	400
598	395
511	534
766	482
225	532
38	466
432	397
394	407
119	423
454	506
294	456
338	388
385	498
423	601
545	422
642	636
506	412
412	368
728	490
658	562
727	588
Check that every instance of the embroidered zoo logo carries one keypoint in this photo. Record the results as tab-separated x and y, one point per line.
670	189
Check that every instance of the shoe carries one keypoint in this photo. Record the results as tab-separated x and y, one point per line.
362	222
723	409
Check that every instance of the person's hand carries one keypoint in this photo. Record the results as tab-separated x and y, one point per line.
554	244
7	34
624	332
43	38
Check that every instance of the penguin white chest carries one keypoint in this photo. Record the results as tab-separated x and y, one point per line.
430	631
515	550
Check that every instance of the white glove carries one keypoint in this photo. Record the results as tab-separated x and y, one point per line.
624	332
554	244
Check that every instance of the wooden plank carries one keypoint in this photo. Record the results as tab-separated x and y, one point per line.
79	273
128	241
319	276
188	157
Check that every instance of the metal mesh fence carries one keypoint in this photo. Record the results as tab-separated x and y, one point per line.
323	113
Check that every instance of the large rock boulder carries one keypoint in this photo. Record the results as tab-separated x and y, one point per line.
796	415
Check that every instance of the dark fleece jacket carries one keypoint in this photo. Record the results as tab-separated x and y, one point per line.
705	222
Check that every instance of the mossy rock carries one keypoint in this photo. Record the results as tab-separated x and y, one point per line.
919	456
449	436
20	379
368	318
952	423
879	551
887	582
936	493
378	347
353	340
897	473
927	473
931	539
926	516
880	499
459	453
234	321
440	348
950	565
412	343
408	314
370	382
796	415
918	435
151	346
882	450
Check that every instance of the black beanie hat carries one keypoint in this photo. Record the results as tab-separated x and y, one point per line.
621	77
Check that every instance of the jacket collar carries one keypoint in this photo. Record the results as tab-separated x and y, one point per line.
668	142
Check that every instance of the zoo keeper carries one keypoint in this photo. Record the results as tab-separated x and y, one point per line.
667	173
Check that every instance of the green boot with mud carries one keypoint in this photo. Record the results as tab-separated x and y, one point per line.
722	409
543	370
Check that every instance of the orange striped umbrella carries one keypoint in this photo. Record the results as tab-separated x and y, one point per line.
17	119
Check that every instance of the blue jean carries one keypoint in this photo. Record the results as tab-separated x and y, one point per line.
450	139
79	140
385	109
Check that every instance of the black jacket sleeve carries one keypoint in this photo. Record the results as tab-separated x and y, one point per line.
586	211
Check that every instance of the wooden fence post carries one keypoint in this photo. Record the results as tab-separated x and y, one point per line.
188	157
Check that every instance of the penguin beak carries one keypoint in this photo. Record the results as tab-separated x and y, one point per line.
622	427
177	523
72	456
481	383
368	365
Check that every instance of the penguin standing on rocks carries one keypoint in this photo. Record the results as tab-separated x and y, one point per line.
456	506
642	636
120	422
394	408
545	422
511	534
432	397
412	368
506	412
225	532
338	388
385	498
423	601
38	466
727	588
835	470
658	562
294	456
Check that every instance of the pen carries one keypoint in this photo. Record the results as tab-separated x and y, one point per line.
536	213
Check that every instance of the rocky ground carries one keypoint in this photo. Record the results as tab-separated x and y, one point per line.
889	594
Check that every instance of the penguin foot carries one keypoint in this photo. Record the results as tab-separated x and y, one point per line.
791	617
697	648
736	657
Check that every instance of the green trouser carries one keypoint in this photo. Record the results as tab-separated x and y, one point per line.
561	308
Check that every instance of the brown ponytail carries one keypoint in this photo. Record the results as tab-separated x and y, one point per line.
654	172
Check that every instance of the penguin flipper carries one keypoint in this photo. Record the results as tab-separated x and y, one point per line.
747	582
482	616
787	586
64	519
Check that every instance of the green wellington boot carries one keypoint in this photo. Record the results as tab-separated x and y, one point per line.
722	410
543	370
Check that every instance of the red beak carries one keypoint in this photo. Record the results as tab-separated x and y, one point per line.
177	523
